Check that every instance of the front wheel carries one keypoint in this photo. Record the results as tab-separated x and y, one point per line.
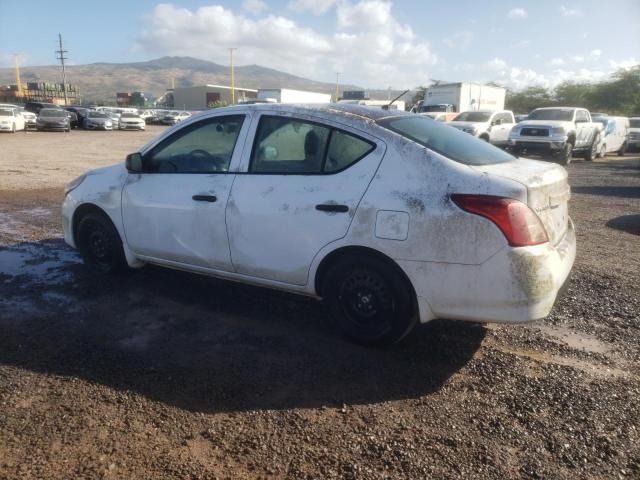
99	243
592	152
565	155
371	301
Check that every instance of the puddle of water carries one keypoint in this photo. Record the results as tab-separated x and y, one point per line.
582	365
575	339
39	263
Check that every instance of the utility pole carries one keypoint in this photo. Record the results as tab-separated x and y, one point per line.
18	81
233	83
60	56
337	86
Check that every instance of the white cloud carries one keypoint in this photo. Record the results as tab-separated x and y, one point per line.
497	65
461	40
557	61
517	13
595	53
577	58
254	7
317	7
624	64
371	47
570	12
522	44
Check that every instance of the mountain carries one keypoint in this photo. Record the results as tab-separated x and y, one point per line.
100	81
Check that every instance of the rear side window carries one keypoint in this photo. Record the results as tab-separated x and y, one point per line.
345	150
288	146
450	142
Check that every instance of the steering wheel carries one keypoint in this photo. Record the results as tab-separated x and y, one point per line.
202	155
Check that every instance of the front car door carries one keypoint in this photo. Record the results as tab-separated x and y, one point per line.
303	182
584	129
500	131
175	210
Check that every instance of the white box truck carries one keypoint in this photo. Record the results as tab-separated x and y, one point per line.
286	95
461	97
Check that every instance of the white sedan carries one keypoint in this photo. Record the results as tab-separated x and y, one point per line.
390	217
11	120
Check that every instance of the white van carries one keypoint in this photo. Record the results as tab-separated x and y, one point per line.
613	137
633	142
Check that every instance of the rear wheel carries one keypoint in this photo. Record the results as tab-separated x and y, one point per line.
99	243
623	149
592	152
371	301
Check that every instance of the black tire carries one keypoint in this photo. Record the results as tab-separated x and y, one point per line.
516	152
623	149
485	138
99	243
371	301
564	157
592	152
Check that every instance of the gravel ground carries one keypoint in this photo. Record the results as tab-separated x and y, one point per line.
162	374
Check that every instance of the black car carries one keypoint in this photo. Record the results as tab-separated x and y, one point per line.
35	107
80	113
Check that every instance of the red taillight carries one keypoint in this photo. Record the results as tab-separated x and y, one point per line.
515	219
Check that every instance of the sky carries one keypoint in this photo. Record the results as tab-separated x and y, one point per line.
372	43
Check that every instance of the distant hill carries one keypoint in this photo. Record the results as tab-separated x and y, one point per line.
101	81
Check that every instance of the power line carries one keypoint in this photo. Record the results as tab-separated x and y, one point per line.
60	55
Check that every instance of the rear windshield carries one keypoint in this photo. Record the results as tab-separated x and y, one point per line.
562	115
473	117
450	142
97	115
634	123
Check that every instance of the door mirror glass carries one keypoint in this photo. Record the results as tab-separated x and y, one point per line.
134	162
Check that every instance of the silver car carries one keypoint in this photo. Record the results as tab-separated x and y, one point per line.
98	121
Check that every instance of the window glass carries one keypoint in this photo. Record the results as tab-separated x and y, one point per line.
345	150
582	116
204	147
450	142
288	145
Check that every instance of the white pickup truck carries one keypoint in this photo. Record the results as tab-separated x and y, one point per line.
493	127
556	131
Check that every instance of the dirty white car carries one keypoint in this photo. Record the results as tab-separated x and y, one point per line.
393	218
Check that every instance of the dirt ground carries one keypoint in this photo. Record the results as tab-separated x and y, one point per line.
162	374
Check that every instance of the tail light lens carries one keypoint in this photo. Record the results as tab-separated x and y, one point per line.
519	224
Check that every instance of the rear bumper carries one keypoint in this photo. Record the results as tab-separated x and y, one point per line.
515	285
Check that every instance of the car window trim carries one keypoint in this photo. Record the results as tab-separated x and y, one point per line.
331	128
193	126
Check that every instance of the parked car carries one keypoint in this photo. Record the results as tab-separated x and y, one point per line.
390	217
493	127
97	121
174	117
115	118
633	142
613	136
440	116
53	119
80	115
521	118
156	118
29	118
131	121
11	120
558	132
35	107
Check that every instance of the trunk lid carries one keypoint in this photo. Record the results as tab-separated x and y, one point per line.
547	187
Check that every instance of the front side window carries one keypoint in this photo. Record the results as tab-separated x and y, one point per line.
288	145
203	147
582	116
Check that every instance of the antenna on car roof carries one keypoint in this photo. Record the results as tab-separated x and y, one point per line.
386	107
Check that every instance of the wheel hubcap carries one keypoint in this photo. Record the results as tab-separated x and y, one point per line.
99	245
365	297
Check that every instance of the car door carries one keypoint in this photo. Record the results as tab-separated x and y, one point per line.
303	182
175	210
584	129
500	130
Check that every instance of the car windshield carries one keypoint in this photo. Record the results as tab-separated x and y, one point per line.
450	142
433	108
129	115
561	114
97	115
52	112
473	117
634	123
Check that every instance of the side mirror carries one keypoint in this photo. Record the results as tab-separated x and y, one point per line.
134	163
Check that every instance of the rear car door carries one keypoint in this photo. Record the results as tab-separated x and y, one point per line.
303	182
175	210
500	132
